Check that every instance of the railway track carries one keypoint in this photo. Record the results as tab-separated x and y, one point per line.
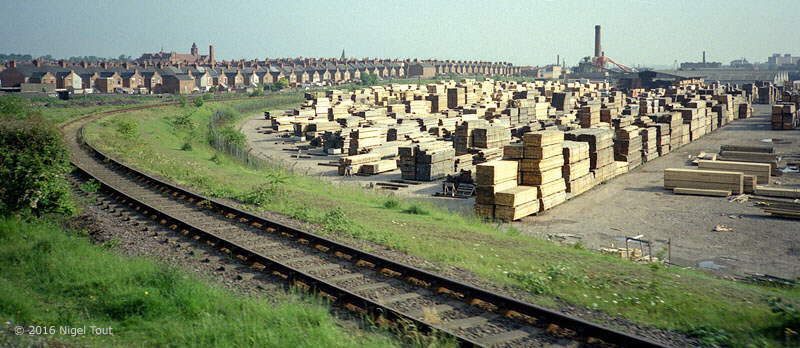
382	289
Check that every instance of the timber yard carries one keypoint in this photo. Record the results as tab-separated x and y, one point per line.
188	199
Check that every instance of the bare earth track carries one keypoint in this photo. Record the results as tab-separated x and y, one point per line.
350	277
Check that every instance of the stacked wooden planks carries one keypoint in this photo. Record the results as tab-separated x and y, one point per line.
761	171
492	177
589	115
356	162
363	139
649	143
784	116
675	129
426	161
601	150
575	171
704	179
628	146
542	165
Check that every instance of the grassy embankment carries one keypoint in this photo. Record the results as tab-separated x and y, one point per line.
53	277
717	311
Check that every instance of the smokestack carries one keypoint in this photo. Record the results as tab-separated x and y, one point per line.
211	54
558	59
597	48
704	57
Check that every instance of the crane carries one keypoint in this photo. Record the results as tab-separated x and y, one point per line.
601	62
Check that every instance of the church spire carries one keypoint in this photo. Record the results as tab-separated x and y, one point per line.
343	58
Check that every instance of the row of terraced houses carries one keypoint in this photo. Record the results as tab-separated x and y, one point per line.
190	73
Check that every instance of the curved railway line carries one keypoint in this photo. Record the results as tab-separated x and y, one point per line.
382	289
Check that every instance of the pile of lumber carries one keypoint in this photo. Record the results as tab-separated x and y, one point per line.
497	194
784	116
426	161
589	115
649	137
675	128
750	156
628	146
761	171
356	162
492	136
363	139
601	150
541	166
722	181
575	171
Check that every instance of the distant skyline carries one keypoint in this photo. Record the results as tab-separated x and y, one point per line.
635	32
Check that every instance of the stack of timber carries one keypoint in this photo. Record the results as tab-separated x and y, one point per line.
356	162
784	116
649	143
492	136
462	141
675	124
541	166
491	178
731	182
601	150
749	156
575	171
662	138
761	171
426	161
779	208
589	115
363	139
628	146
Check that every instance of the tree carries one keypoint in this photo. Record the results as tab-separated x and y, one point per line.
282	83
369	79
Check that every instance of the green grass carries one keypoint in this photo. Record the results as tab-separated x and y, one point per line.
672	298
52	277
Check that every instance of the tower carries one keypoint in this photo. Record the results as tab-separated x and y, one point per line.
343	57
211	54
193	50
597	49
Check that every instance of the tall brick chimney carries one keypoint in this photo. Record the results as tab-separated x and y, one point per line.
211	56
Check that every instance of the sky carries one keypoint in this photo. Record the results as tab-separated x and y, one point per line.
533	32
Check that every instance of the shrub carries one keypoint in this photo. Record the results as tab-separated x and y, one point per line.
262	194
416	210
183	122
391	203
187	146
198	102
232	136
182	101
33	163
336	220
90	186
127	128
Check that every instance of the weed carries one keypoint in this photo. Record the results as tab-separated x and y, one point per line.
533	283
187	146
216	159
578	245
128	129
262	194
710	336
513	231
335	220
415	209
111	244
90	186
391	203
300	213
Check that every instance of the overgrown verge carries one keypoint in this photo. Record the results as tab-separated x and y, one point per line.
713	310
59	289
56	278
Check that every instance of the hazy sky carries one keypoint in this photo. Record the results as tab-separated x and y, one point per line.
522	32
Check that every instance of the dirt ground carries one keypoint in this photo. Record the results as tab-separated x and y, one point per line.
637	204
633	204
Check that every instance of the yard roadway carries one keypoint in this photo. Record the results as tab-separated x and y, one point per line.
637	204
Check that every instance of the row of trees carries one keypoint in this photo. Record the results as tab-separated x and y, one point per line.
74	59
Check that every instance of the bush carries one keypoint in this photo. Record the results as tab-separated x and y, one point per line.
369	79
416	210
187	146
391	203
33	163
262	194
127	128
182	101
90	186
198	102
233	137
